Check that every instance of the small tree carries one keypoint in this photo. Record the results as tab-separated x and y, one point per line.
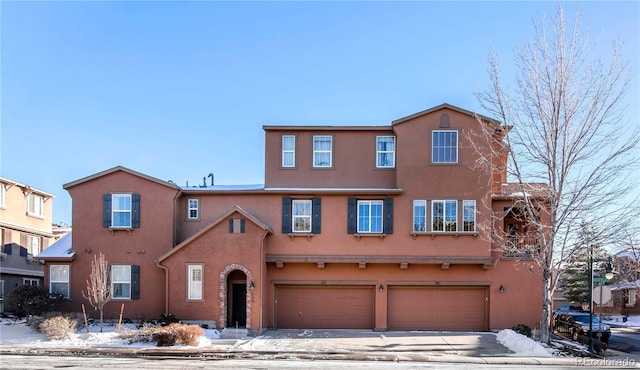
98	286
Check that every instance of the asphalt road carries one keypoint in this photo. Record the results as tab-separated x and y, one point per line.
625	340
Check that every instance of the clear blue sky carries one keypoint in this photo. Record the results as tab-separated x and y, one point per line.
179	90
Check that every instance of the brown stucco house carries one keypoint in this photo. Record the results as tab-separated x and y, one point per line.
356	227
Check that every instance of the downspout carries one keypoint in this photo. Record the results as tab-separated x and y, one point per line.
166	286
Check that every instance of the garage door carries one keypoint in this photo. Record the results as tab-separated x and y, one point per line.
437	308
324	307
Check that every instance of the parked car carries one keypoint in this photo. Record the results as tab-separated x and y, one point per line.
575	323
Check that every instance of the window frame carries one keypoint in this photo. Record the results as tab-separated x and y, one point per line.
415	222
31	281
191	209
308	216
30	243
67	281
446	217
35	209
370	217
443	150
195	293
3	195
121	282
288	152
317	152
380	152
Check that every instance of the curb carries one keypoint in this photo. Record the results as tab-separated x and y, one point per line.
289	355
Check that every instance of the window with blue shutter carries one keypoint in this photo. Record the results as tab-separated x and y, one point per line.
286	215
317	215
135	282
121	210
352	215
388	216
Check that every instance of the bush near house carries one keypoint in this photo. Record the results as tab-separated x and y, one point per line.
26	300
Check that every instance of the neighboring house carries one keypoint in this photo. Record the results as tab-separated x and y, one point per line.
25	230
626	284
356	227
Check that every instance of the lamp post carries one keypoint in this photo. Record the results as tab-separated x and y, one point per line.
608	275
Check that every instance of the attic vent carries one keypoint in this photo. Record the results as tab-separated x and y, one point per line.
444	120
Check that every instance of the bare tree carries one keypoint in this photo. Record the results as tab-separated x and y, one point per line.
568	144
98	286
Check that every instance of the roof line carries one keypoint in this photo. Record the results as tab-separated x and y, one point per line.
123	169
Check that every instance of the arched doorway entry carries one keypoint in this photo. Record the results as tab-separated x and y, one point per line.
235	297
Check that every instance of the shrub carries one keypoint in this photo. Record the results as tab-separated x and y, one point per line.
168	319
177	333
522	329
27	300
57	327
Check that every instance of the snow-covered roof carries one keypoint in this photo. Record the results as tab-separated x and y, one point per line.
628	285
628	253
61	249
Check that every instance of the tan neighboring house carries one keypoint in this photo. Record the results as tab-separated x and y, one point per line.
25	230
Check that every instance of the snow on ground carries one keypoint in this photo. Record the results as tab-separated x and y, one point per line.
17	333
522	345
618	320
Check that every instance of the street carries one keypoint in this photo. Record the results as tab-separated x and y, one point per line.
625	340
51	362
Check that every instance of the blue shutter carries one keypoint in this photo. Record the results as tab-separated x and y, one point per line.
352	215
286	215
106	210
388	216
231	226
135	210
135	282
242	225
317	215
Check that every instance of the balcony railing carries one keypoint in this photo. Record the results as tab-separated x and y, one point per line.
521	246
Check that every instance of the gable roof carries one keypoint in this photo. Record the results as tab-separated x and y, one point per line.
123	169
217	221
443	106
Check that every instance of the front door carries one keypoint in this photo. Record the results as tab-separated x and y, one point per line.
238	305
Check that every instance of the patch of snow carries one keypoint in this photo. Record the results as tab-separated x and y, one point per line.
522	345
618	320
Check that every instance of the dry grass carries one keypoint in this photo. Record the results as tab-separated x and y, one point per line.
57	327
165	335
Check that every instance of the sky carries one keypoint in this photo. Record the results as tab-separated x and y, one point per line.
178	90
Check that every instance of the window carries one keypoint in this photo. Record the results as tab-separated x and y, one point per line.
121	211
444	146
632	298
194	277
444	215
385	151
34	205
33	245
59	279
301	215
192	209
32	282
288	151
301	212
469	215
419	215
3	192
322	147
370	216
120	282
